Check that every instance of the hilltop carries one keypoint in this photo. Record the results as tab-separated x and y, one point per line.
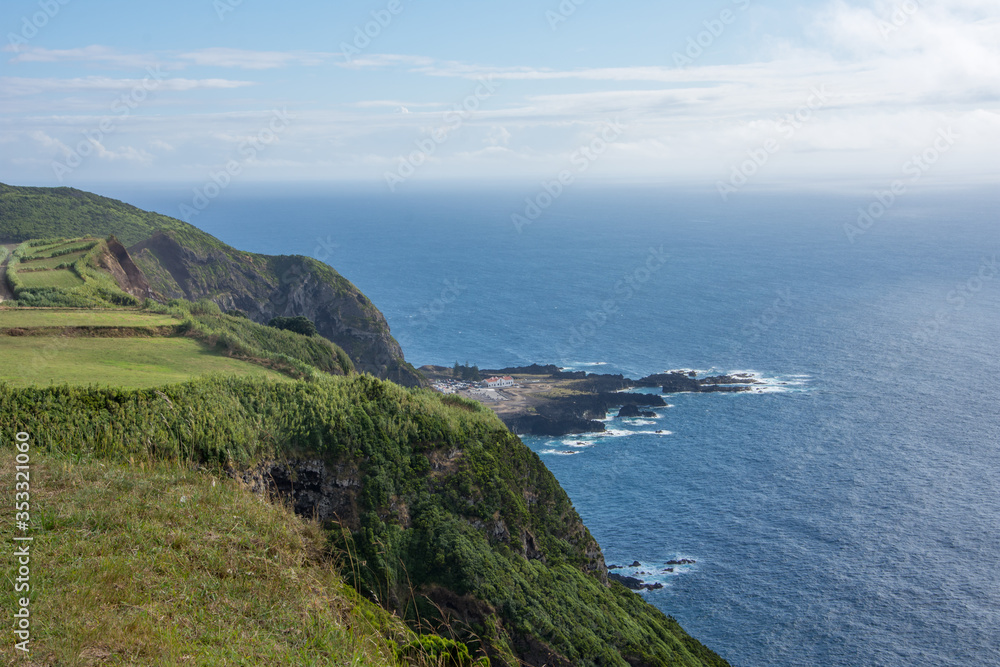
179	260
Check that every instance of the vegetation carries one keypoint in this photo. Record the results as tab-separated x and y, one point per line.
20	318
466	372
299	324
60	273
436	471
33	213
158	564
237	336
181	261
123	362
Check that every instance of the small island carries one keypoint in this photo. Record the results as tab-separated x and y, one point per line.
550	401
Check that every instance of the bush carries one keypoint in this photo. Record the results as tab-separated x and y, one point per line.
300	325
205	307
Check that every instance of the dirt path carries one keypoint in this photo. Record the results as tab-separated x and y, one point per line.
5	292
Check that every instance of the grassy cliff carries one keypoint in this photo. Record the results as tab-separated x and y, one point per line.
180	261
449	520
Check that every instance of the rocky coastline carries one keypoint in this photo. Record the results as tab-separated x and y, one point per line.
549	401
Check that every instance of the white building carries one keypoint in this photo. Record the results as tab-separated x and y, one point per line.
496	383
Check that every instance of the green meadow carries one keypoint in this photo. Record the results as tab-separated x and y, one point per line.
123	362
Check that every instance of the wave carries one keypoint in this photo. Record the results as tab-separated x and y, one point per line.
558	452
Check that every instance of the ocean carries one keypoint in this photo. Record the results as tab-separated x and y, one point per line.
849	514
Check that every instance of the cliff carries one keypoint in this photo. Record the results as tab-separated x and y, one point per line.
438	512
180	260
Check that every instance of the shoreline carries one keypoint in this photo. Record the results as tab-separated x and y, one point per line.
548	401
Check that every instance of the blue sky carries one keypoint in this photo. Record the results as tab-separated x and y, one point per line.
734	93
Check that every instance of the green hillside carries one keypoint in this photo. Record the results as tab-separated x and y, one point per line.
122	362
38	213
180	261
156	564
447	517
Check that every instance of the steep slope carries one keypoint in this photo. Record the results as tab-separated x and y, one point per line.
265	286
183	568
179	260
446	516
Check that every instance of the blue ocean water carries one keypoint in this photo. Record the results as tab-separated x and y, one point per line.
847	517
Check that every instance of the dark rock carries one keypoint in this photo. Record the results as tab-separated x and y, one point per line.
636	564
634	411
683	561
740	378
552	426
678	382
628	582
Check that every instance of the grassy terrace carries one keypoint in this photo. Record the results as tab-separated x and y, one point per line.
60	278
30	318
153	564
44	263
124	362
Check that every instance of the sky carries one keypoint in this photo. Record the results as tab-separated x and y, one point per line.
729	94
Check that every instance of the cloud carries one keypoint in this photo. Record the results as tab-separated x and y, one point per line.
19	86
88	54
246	59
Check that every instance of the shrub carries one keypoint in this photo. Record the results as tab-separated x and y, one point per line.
300	325
205	307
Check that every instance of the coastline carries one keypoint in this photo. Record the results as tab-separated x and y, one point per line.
546	400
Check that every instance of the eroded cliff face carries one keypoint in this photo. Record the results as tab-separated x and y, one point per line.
266	286
117	262
334	492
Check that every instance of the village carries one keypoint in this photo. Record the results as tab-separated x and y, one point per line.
489	389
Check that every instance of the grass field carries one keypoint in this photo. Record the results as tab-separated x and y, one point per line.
27	319
48	249
50	262
154	564
62	278
124	362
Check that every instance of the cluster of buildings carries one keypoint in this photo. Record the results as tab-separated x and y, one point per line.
454	386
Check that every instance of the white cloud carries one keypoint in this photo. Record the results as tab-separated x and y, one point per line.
17	86
87	54
247	59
